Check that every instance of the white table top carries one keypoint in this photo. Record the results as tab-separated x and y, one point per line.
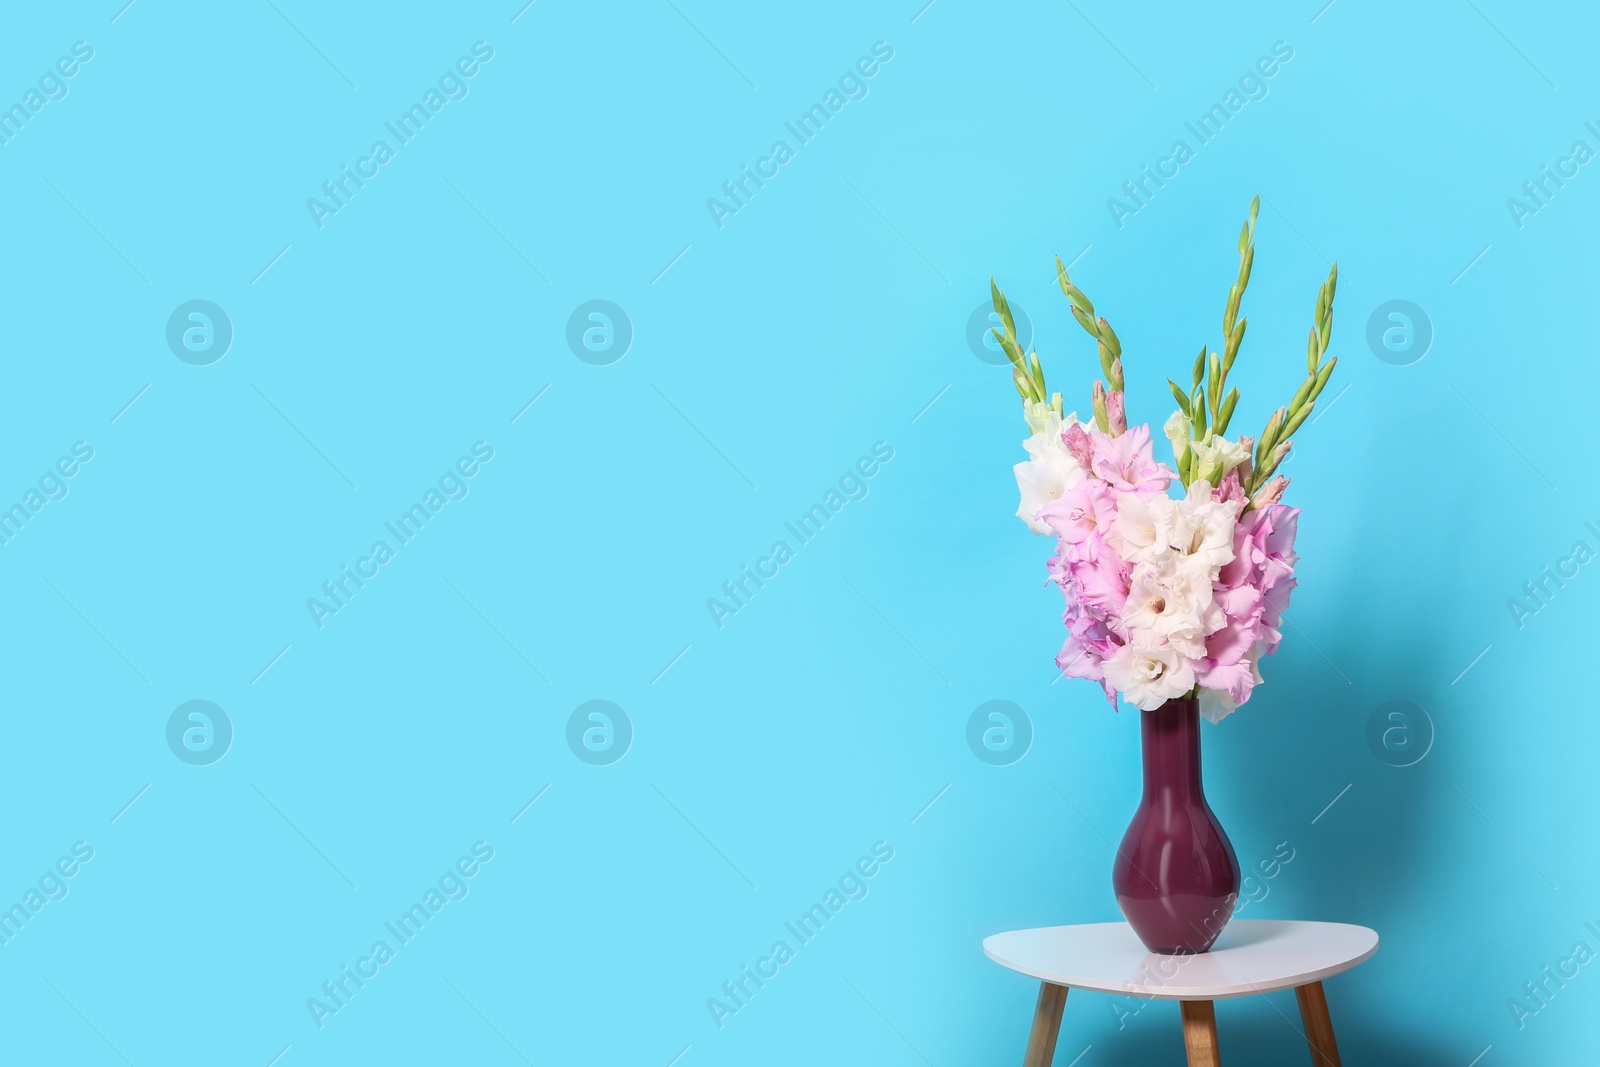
1252	956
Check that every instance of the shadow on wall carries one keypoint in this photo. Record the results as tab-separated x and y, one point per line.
1324	763
1251	1032
1243	1042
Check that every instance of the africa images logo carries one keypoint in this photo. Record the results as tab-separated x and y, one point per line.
852	486
452	886
852	885
852	85
52	87
452	485
1206	127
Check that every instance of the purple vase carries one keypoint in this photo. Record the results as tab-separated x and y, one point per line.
1176	876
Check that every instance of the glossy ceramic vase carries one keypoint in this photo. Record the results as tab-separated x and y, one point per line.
1176	877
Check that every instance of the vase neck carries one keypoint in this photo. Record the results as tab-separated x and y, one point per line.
1170	738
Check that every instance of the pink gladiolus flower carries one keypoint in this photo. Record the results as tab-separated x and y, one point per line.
1080	659
1116	413
1235	679
1230	490
1076	438
1272	493
1081	514
1253	590
1101	580
1126	462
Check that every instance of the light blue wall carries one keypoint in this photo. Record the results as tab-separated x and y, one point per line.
770	753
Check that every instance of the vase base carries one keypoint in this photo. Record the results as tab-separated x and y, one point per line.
1179	924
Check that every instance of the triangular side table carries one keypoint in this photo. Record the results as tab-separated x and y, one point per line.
1251	957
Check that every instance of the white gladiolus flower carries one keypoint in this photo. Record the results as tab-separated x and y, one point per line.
1198	528
1179	430
1159	607
1038	483
1136	533
1039	415
1192	582
1193	527
1213	458
1170	602
1149	677
1216	456
1050	472
1048	428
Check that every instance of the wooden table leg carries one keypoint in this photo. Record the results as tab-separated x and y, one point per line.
1319	1029
1046	1025
1200	1033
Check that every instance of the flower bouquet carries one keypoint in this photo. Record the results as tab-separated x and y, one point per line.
1167	596
1172	599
